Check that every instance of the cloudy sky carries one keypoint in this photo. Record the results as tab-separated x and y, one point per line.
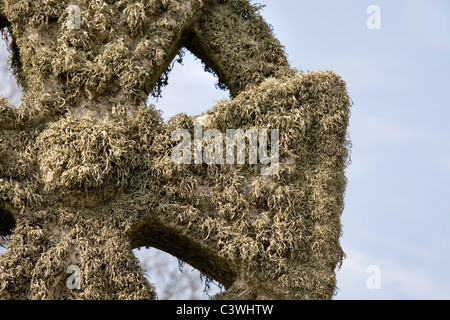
397	215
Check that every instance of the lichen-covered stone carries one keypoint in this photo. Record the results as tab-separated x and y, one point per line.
86	172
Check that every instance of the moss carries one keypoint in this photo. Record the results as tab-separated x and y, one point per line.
87	172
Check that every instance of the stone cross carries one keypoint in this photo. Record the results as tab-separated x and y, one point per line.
88	171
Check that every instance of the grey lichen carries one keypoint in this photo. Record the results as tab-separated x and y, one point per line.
86	170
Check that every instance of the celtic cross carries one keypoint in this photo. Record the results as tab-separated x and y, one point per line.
87	171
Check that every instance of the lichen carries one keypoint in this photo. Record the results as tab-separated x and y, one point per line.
86	170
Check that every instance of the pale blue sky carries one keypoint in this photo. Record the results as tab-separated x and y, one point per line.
396	212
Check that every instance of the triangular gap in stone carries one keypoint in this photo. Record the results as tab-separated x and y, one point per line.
9	89
173	278
192	88
154	234
7	224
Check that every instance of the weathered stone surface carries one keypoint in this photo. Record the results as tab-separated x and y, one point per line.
86	173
